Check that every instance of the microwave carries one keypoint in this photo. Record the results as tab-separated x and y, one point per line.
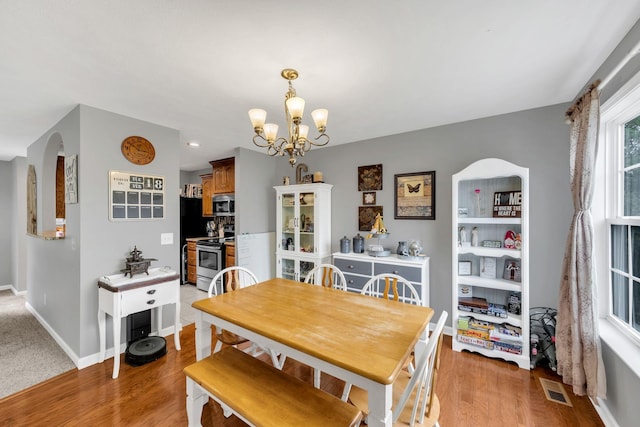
224	205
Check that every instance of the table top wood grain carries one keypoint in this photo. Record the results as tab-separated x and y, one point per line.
369	336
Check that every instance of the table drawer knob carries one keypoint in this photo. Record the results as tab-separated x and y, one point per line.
350	281
151	292
396	272
350	266
151	301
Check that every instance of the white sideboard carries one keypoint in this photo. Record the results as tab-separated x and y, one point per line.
359	268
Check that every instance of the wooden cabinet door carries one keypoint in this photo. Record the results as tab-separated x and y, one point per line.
207	191
224	176
192	277
230	259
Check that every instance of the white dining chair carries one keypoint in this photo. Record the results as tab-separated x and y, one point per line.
393	287
228	280
418	389
327	275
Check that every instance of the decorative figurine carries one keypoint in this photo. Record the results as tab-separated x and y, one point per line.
136	263
378	227
474	236
462	235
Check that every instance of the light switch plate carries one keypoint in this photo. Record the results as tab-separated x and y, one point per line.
166	238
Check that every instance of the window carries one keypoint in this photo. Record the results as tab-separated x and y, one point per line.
620	135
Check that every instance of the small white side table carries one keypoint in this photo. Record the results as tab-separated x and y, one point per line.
120	296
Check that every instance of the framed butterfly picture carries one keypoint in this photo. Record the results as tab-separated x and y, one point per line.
415	195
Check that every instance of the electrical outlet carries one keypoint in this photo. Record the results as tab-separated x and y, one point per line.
166	238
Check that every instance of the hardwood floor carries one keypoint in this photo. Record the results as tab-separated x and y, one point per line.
473	390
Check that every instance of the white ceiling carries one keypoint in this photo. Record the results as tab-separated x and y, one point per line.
380	67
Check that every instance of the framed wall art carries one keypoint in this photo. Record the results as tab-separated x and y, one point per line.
135	197
367	216
71	179
415	195
370	178
369	198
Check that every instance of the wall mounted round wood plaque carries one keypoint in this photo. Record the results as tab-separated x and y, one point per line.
138	150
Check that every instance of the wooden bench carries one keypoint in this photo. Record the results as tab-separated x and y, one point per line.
260	394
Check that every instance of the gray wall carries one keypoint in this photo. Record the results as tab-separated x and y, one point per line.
537	139
256	175
63	273
19	224
6	195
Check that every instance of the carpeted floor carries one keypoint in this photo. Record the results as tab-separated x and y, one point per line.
28	354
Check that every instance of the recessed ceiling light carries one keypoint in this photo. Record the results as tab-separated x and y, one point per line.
193	144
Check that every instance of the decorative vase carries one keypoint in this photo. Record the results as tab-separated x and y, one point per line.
415	248
402	248
358	244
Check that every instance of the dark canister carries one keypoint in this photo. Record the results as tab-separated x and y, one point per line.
345	245
358	244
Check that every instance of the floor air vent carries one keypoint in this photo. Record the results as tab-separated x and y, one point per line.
555	392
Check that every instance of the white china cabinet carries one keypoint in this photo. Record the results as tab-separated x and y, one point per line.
303	228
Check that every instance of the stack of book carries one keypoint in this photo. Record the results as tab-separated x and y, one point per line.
481	306
192	191
492	336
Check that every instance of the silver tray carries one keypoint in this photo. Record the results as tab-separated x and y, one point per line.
380	236
412	258
379	253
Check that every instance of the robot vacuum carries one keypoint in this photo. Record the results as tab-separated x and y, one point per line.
145	350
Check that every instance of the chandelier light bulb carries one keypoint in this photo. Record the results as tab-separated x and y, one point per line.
320	119
270	132
303	131
258	117
295	106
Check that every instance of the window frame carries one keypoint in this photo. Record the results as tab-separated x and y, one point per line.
621	107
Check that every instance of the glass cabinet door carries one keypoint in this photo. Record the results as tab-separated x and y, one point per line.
295	268
288	217
306	230
297	217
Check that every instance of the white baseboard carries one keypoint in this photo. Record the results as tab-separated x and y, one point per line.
603	411
94	358
74	357
12	289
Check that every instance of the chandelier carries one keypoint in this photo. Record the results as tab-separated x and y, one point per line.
296	144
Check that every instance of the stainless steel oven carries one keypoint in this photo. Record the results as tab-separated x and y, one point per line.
209	261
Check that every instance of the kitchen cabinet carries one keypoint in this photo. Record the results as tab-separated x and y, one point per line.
224	176
303	228
230	254
207	192
359	268
191	261
490	241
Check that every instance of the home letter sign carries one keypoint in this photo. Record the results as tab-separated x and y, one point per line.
507	204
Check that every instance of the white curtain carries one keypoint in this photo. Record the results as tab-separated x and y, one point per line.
577	339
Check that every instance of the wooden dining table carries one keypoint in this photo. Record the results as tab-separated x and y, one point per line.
360	339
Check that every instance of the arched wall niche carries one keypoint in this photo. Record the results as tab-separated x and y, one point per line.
47	219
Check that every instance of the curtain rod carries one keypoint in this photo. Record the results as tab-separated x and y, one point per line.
600	84
633	52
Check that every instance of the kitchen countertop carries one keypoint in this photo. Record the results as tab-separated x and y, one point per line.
195	239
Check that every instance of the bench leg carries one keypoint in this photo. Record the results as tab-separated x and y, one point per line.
316	377
196	399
